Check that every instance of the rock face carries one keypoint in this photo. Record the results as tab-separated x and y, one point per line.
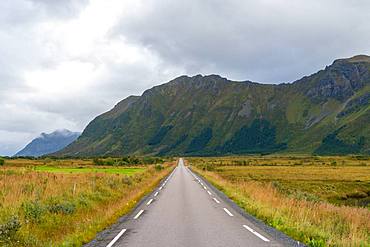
340	80
211	115
49	143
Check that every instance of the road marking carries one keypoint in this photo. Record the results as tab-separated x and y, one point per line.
138	214
160	188
256	233
204	187
156	193
209	192
215	199
228	212
201	183
150	201
117	237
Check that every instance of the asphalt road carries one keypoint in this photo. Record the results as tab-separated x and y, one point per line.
185	211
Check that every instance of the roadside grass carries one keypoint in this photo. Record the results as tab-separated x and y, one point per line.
307	200
111	170
48	208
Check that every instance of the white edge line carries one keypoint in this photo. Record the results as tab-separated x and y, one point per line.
209	192
228	212
215	199
116	238
150	201
160	188
156	193
256	233
138	214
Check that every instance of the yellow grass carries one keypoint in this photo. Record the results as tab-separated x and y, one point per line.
66	209
315	222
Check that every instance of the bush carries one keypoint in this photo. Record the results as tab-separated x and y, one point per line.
2	161
9	229
159	167
33	211
56	207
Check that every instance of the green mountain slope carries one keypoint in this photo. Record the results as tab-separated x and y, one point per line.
324	113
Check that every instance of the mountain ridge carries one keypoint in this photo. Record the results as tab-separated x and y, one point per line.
48	143
211	115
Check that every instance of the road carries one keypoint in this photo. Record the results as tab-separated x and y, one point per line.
185	211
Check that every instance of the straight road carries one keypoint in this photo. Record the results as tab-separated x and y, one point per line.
185	211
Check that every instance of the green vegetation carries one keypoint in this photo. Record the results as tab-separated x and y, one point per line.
158	137
260	137
200	142
2	161
66	202
126	161
332	145
321	201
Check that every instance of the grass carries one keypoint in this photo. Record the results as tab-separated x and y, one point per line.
321	201
61	206
111	170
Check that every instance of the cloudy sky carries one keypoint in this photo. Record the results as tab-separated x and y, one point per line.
64	62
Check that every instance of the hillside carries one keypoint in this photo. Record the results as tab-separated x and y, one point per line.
325	113
48	143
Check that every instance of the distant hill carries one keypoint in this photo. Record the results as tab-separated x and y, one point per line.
325	113
49	143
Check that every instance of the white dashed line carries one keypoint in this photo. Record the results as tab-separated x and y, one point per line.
228	212
204	187
160	188
116	238
209	193
215	199
138	214
201	183
156	193
150	201
256	233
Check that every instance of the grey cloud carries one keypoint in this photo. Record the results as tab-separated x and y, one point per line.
273	41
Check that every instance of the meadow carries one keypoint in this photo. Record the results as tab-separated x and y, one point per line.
321	201
66	202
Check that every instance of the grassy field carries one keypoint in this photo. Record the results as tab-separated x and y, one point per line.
321	201
66	202
111	170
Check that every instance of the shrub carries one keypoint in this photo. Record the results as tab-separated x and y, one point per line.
159	167
33	211
56	207
9	229
2	161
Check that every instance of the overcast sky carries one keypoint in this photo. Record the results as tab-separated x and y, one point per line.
64	62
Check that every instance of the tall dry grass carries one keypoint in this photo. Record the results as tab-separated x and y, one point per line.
50	209
314	223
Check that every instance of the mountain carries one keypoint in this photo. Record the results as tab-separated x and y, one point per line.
49	143
325	113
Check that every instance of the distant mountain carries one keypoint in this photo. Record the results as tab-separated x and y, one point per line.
49	143
325	113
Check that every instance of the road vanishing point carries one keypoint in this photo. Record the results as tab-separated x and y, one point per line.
186	211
